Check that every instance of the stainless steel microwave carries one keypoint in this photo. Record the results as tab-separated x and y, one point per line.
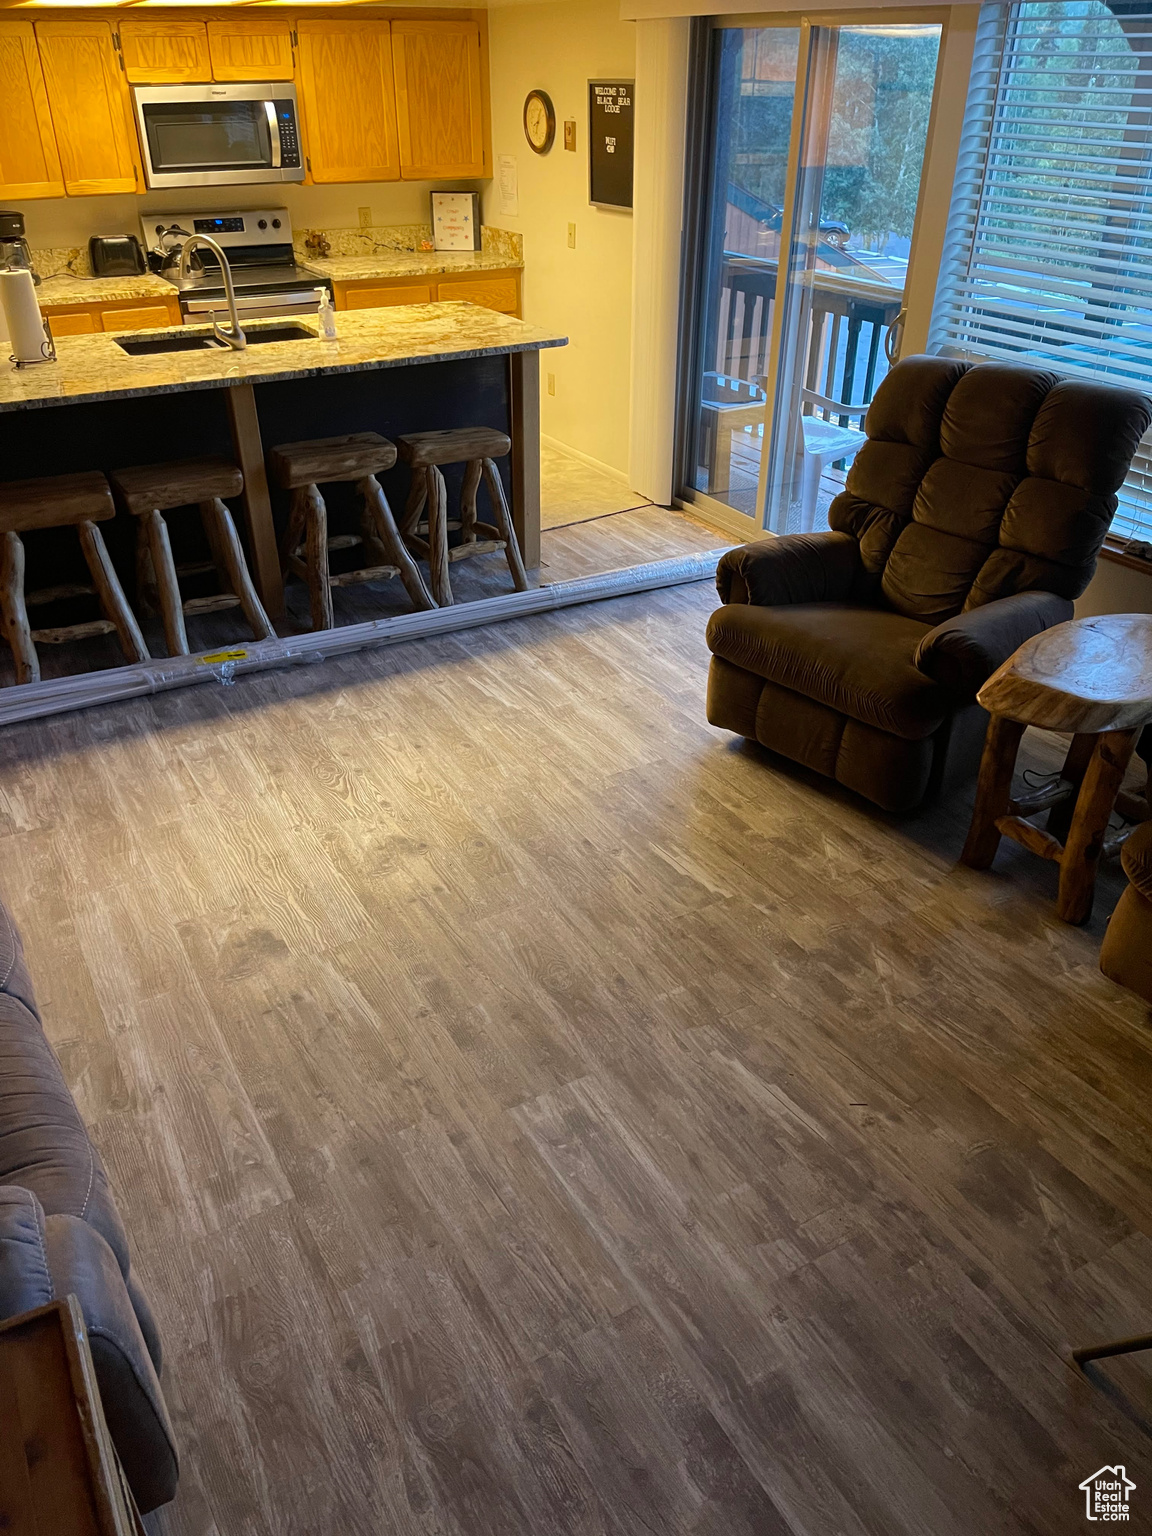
219	135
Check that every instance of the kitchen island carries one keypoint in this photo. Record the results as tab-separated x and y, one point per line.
101	407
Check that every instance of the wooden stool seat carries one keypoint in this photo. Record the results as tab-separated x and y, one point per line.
456	446
150	490
477	448
358	458
1089	677
80	501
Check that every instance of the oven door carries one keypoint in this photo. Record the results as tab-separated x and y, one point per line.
218	135
251	306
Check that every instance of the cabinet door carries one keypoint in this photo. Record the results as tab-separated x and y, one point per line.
491	292
29	163
73	322
164	52
91	108
250	48
139	317
384	296
439	107
348	100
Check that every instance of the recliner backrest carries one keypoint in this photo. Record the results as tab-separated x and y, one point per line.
981	480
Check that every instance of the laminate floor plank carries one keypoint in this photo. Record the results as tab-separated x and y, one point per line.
533	1111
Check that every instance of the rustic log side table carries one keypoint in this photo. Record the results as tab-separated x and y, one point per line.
1089	677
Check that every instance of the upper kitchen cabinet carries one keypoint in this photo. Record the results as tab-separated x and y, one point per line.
90	105
29	163
164	52
250	48
439	99
348	100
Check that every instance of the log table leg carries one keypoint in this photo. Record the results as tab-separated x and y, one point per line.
524	375
1094	806
258	524
1080	751
992	791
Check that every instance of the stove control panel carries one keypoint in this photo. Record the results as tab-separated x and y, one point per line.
249	227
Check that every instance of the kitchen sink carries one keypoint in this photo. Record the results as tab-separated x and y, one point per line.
151	346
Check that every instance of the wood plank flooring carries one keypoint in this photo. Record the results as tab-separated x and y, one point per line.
535	1113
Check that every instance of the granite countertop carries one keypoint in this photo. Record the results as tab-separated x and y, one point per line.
352	269
65	289
92	368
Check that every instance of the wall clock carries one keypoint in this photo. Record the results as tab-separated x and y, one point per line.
539	121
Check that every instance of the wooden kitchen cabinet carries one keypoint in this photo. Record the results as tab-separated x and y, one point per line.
348	100
29	162
498	289
251	48
439	99
91	108
127	315
164	52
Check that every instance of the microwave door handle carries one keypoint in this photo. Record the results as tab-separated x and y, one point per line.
273	133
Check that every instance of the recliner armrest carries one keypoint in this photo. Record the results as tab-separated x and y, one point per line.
963	652
43	1259
790	568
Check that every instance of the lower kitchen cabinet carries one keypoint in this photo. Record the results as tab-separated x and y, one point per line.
492	290
132	315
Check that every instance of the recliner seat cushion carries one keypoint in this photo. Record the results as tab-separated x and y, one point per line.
853	659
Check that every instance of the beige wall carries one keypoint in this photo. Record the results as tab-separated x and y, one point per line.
1116	589
587	292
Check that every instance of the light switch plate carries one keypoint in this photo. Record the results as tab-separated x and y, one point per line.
551	383
572	236
570	134
365	217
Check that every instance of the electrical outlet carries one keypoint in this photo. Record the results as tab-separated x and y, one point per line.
365	217
572	237
570	134
551	383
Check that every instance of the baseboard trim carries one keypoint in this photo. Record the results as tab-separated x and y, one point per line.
33	701
586	458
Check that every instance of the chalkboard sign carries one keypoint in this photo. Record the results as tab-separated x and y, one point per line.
610	133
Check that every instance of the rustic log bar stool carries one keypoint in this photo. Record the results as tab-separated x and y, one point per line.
477	448
150	490
1090	677
79	501
359	457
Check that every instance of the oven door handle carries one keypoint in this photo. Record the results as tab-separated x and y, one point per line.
273	133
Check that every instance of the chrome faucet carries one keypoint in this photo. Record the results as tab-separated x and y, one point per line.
233	336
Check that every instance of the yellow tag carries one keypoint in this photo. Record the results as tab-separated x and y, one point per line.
219	656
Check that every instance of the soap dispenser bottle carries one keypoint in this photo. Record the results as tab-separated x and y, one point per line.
325	314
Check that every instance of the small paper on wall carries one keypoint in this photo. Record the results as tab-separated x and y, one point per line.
509	189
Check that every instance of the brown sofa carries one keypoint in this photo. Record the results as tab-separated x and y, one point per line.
972	517
60	1233
1126	954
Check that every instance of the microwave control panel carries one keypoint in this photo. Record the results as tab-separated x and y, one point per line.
289	134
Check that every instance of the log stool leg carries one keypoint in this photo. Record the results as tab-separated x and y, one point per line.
472	472
388	535
417	496
1094	805
147	597
992	791
504	524
167	586
111	593
438	537
316	558
1076	762
226	548
17	630
294	533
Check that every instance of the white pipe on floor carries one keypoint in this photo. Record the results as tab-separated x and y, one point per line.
31	701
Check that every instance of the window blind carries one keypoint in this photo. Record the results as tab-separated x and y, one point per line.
1048	252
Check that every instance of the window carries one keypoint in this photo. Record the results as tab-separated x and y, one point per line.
1049	249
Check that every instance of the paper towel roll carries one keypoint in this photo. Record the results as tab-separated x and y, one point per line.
28	339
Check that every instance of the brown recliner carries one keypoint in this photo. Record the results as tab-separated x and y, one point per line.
972	517
1126	954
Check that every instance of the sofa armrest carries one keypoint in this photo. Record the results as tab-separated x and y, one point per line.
962	653
44	1259
1136	857
790	568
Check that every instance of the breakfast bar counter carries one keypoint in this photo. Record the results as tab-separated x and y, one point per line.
464	365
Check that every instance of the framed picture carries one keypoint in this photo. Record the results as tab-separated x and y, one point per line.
456	221
610	141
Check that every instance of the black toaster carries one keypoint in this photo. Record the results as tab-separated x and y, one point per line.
116	255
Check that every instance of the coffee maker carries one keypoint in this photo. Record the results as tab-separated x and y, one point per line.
14	252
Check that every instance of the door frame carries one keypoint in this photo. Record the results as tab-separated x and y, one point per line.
949	101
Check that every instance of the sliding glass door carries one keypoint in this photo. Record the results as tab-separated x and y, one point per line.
816	147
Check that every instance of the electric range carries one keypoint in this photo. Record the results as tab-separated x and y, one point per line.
258	244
